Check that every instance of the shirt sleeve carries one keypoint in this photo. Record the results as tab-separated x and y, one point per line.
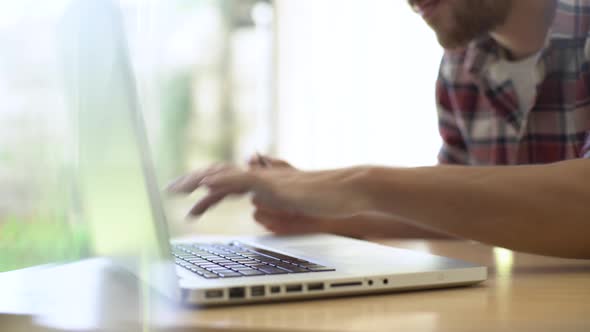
453	150
586	149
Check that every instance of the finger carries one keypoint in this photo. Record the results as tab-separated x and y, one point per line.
174	183
233	181
206	203
190	182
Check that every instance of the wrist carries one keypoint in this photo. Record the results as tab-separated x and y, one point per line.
361	180
380	189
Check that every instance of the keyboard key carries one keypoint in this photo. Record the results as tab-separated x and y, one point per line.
251	272
251	254
268	260
310	265
241	267
230	274
296	261
217	269
210	275
292	268
272	270
243	259
221	261
275	255
233	256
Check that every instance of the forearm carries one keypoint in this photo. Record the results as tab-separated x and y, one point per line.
538	209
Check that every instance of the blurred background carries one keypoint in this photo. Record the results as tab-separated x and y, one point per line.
322	84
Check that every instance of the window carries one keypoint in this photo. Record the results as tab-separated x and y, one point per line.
322	84
356	84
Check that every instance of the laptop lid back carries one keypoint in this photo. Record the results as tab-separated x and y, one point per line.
117	184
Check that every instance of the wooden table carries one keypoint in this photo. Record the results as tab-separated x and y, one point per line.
523	293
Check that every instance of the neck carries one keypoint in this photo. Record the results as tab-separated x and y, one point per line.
526	27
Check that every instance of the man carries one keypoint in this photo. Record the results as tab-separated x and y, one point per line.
514	112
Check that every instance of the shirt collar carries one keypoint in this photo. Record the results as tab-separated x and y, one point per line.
567	23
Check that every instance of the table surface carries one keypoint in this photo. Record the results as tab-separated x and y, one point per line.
523	293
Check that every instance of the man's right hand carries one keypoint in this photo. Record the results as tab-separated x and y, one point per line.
359	226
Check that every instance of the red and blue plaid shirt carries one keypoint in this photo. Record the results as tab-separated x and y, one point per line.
480	120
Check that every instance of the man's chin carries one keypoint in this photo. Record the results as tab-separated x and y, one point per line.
448	39
451	44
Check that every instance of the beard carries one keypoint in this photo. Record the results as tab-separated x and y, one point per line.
462	21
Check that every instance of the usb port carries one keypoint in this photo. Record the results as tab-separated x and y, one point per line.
315	287
214	293
275	289
257	291
293	288
237	293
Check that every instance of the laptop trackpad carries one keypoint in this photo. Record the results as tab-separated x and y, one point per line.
328	249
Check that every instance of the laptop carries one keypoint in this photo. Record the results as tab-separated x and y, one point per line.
120	199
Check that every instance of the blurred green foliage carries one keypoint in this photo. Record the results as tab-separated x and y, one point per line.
25	243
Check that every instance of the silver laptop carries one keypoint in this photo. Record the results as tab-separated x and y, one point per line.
120	199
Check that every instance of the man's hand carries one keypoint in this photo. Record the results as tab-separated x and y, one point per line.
291	215
327	194
359	226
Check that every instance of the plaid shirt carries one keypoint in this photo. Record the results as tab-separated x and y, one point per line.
480	120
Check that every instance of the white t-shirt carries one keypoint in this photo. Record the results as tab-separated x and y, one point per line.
525	76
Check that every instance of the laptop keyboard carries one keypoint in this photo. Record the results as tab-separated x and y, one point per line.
233	260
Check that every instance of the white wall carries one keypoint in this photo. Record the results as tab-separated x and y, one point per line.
356	84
